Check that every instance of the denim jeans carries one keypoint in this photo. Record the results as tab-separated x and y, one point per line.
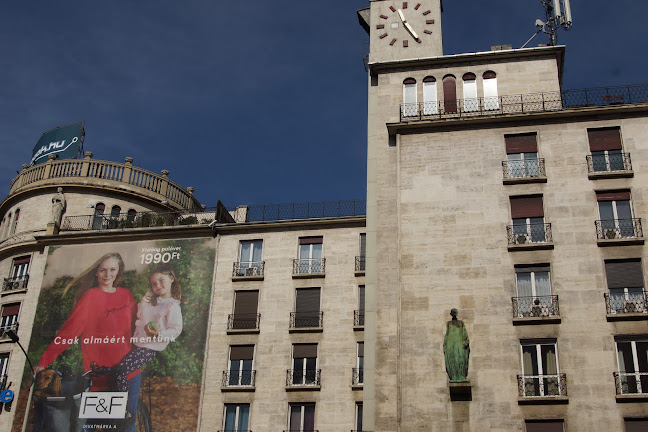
133	397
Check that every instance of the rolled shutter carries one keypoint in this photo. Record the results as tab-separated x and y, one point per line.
311	240
305	351
526	207
529	269
360	349
604	139
10	309
246	302
521	143
624	274
639	425
548	426
308	300
242	352
613	196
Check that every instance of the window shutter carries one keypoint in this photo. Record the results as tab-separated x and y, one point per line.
489	75
529	269
360	349
246	302
526	207
305	351
21	260
521	143
10	309
242	352
613	196
363	245
311	240
624	274
361	298
638	425
604	139
545	426
308	300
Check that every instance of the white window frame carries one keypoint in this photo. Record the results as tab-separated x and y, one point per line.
523	166
635	362
309	258
20	270
358	416
302	417
358	366
240	371
294	367
5	325
410	100
538	346
470	98
430	98
4	364
608	164
491	96
533	282
616	219
529	232
236	417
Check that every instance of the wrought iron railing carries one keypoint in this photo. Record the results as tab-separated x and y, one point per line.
525	103
528	168
618	229
5	328
631	383
626	303
307	210
603	163
248	268
535	307
301	377
140	220
306	319
358	318
529	234
303	266
235	430
15	283
242	378
358	376
3	381
360	263
243	321
530	386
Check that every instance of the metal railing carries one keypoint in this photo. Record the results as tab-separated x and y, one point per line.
3	381
243	321
525	103
626	303
16	283
360	263
242	378
138	220
301	377
305	266
631	382
528	168
248	268
529	234
306	319
358	318
307	210
535	307
618	229
530	386
358	376
614	162
4	329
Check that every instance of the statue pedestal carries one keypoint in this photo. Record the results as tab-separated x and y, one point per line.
52	229
460	391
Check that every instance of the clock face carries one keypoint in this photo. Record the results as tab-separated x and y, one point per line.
405	23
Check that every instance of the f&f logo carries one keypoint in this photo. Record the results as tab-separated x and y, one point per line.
103	405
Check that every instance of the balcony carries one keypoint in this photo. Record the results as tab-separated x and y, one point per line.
359	266
536	310
248	270
242	380
357	379
613	165
529	237
617	232
243	323
309	267
629	306
542	389
15	284
631	386
4	329
300	379
524	171
306	321
358	319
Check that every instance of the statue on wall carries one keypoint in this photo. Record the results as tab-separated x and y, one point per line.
58	207
456	348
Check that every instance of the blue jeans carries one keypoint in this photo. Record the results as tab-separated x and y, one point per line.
133	397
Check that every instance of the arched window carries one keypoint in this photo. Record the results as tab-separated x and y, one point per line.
409	98
97	220
470	100
430	103
15	222
115	211
491	99
5	230
130	216
449	94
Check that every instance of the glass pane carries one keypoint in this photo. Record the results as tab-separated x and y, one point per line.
615	158
317	251
542	285
304	251
256	251
524	284
531	164
529	360
359	417
295	417
520	226
626	362
599	162
309	418
537	228
623	209
244	415
245	251
549	365
235	366
230	417
642	357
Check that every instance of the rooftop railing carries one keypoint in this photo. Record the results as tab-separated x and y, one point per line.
140	220
307	210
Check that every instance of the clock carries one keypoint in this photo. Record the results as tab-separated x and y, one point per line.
405	23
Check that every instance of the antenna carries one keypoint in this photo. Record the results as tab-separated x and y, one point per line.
557	14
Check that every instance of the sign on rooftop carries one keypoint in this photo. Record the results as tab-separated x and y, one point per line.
63	141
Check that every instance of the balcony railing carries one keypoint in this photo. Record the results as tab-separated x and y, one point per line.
248	269
530	386
306	319
359	263
605	163
358	318
242	378
525	103
626	303
3	381
307	210
524	169
302	266
16	283
5	328
358	377
631	383
529	234
535	307
301	377
618	229
243	321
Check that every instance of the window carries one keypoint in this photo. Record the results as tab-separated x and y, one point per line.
307	308
237	418
626	287
245	315
632	356
605	145
4	366
304	365
10	313
449	94
240	365
130	215
430	104
358	375
409	98
471	102
541	375
250	263
544	426
360	260
115	211
15	222
491	99
534	291
615	212
528	219
522	155
359	318
302	417
310	256
358	415
97	221
636	425
5	230
19	275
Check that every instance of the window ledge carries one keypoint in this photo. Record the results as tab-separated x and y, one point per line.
624	398
358	328
247	278
620	242
524	180
554	319
634	316
543	400
238	389
530	246
308	275
243	331
305	330
359	272
13	291
357	387
304	388
610	174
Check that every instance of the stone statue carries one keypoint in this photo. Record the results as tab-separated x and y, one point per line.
456	348
58	207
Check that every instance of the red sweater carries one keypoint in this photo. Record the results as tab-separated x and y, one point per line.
102	323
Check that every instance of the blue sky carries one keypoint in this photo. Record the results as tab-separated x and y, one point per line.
250	102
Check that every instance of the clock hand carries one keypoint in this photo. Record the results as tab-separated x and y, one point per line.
407	26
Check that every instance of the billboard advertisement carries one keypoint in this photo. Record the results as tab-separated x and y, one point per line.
63	141
119	338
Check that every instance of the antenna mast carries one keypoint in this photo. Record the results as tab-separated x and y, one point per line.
557	14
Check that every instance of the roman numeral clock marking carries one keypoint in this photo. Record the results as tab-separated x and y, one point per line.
399	27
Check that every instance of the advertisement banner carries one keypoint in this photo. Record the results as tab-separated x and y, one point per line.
62	141
119	338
